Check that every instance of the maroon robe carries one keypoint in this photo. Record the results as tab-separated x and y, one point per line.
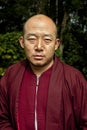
28	98
67	98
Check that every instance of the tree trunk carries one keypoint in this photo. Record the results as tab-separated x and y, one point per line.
63	27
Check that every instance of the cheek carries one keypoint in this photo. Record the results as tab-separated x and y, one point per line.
51	49
28	48
28	51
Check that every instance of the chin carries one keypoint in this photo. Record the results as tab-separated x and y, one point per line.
38	64
41	63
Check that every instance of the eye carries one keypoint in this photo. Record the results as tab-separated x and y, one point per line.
48	40
31	39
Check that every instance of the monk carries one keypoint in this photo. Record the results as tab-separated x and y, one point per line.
41	92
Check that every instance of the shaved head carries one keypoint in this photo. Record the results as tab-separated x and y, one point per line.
40	19
40	42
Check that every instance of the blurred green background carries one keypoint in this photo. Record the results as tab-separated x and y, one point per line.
70	17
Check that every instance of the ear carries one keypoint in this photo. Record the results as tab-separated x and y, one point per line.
21	41
57	44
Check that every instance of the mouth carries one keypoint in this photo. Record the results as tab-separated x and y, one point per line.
38	57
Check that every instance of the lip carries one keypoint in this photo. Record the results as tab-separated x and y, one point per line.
38	57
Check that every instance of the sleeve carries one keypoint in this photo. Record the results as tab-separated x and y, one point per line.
5	119
77	85
79	95
83	113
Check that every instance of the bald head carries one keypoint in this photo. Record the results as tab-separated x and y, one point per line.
40	42
42	20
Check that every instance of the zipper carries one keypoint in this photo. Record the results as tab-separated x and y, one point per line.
37	84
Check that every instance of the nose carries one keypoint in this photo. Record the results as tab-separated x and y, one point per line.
39	45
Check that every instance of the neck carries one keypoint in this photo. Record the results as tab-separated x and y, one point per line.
38	70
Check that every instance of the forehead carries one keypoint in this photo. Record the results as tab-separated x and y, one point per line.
39	35
42	24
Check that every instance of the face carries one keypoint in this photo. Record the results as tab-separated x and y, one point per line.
39	42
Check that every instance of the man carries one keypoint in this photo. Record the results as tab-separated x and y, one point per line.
41	92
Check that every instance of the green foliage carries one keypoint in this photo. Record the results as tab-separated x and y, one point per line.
10	50
75	53
69	16
13	13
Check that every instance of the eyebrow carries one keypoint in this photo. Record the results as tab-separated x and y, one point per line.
47	35
30	34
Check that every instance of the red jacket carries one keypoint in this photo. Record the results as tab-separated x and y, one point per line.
67	98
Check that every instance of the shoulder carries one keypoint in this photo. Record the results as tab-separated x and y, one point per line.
68	69
13	74
72	74
72	71
74	77
13	70
17	66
